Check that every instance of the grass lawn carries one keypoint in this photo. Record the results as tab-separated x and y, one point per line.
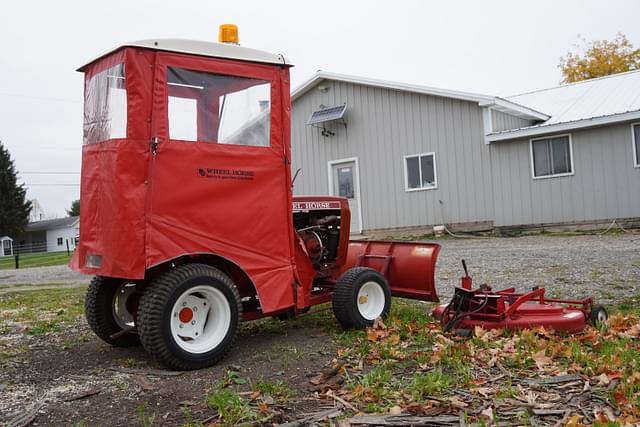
41	311
43	259
407	365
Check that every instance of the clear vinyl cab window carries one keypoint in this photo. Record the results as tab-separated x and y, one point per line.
105	106
218	108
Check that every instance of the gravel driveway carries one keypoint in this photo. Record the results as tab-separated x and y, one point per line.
607	267
40	277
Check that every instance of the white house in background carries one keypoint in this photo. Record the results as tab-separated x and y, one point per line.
50	235
6	246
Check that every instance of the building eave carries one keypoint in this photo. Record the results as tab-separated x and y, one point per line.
488	101
515	109
324	75
562	127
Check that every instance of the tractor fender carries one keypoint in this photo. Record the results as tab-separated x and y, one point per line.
248	292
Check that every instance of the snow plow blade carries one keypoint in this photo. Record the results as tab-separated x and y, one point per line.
408	267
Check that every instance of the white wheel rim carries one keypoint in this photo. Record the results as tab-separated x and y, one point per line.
124	319
200	319
602	316
371	300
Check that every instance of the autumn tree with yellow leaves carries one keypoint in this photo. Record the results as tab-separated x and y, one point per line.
600	58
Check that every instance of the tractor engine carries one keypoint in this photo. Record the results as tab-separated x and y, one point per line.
318	223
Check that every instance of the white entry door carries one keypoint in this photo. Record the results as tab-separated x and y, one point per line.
344	181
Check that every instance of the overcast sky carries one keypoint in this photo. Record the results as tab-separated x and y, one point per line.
491	47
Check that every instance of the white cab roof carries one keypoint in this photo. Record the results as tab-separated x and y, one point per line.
202	48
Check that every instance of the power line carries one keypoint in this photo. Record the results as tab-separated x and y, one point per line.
49	173
50	185
42	173
42	98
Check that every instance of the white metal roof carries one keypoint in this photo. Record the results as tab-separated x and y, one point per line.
587	103
49	224
484	100
203	48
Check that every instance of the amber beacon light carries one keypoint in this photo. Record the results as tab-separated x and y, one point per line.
229	34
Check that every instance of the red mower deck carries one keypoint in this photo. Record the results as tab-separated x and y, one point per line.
507	309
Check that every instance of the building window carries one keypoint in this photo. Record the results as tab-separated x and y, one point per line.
420	172
635	128
552	156
59	241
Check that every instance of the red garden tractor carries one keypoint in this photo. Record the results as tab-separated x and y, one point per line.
189	224
188	220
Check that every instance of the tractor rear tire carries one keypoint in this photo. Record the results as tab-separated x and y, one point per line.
361	296
99	304
189	317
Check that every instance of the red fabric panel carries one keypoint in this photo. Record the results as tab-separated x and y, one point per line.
225	200
112	220
104	63
139	78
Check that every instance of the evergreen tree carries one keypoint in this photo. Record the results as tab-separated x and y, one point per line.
74	210
14	208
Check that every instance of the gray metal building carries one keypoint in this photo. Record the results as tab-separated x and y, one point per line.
413	156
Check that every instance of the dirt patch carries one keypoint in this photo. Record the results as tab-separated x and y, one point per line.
122	385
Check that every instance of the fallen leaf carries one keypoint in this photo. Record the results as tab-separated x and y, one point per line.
393	339
574	421
456	402
603	379
541	360
358	390
488	413
143	383
395	410
484	391
632	332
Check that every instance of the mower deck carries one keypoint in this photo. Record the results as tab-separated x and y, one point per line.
507	309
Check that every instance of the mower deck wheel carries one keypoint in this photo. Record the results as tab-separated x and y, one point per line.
598	314
189	317
107	307
361	296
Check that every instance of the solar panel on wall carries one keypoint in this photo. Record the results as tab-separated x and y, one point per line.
327	114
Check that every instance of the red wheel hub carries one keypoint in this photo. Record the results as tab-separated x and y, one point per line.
186	314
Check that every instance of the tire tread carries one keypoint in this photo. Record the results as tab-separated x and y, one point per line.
99	294
345	293
153	304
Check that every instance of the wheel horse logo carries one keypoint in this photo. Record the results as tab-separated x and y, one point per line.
236	174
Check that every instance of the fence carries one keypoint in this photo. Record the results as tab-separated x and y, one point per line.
29	248
42	259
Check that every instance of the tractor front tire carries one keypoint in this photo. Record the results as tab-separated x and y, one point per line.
100	311
361	296
189	317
